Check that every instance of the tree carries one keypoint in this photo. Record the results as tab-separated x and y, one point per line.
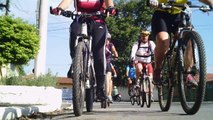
133	16
19	41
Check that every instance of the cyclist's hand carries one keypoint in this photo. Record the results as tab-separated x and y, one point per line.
152	3
112	11
56	11
135	61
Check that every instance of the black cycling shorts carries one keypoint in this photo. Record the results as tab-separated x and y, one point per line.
164	21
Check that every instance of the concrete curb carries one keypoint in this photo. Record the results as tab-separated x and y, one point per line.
16	101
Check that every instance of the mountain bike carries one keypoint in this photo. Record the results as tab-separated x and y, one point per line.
84	80
145	87
173	71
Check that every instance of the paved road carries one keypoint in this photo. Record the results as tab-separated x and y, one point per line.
125	111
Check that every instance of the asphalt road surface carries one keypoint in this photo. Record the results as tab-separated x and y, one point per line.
126	111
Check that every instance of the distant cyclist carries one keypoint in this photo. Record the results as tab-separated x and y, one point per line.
142	51
110	52
165	22
98	32
130	74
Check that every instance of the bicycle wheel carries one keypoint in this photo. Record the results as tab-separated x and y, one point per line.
138	101
165	91
132	100
142	94
148	92
191	96
90	93
78	80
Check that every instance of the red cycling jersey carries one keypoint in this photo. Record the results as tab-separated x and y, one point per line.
89	6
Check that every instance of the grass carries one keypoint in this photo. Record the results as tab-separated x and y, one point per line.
44	80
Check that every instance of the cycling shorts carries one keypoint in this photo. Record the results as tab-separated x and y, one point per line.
164	21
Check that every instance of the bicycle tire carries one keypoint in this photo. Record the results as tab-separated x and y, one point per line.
192	104
138	95
166	90
90	93
142	94
132	100
148	93
78	80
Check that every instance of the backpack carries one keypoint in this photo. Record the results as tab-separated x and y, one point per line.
149	47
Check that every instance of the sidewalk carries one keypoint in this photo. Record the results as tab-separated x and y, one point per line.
17	101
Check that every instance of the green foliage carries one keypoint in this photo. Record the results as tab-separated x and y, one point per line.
44	80
19	41
133	16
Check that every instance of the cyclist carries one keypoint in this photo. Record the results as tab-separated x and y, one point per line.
98	31
165	22
142	51
131	75
110	51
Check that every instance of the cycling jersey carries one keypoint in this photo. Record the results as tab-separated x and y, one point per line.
142	52
89	5
175	10
108	52
131	71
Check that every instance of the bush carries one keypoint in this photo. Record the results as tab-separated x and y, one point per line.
44	80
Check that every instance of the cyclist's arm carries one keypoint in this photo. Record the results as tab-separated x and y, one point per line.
152	46
114	51
109	3
134	50
208	2
127	71
65	4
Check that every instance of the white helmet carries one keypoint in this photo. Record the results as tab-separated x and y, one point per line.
108	35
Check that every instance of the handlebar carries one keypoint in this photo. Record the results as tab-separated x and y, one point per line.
71	14
204	8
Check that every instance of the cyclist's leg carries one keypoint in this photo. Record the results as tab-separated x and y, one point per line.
110	87
189	62
98	32
129	84
108	77
150	73
139	68
160	27
74	31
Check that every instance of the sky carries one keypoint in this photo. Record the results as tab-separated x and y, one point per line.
57	54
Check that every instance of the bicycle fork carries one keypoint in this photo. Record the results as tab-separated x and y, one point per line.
88	44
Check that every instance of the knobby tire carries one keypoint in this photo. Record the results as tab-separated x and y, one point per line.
78	80
192	106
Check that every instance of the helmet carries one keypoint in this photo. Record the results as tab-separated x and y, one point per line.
145	32
108	35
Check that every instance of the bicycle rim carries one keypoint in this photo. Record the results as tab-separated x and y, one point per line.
165	91
192	97
148	92
78	80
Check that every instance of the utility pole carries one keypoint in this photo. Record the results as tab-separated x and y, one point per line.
6	6
40	61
